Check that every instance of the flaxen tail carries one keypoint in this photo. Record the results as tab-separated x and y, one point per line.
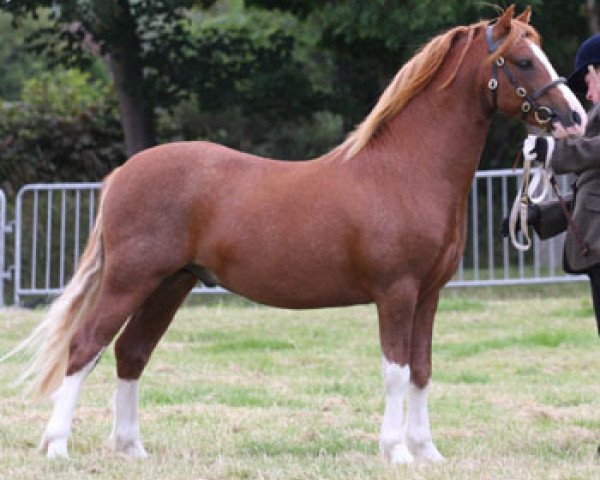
48	344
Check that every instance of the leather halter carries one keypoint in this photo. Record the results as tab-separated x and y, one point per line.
543	114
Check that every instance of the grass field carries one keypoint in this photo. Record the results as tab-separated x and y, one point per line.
238	391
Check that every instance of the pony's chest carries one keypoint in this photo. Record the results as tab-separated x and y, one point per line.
423	245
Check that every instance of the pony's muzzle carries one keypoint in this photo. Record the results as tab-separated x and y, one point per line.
569	123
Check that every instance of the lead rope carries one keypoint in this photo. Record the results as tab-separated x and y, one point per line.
525	196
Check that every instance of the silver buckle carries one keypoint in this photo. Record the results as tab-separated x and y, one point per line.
543	115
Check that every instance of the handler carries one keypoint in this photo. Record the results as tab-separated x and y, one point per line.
580	156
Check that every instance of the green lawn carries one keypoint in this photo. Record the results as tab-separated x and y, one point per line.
240	391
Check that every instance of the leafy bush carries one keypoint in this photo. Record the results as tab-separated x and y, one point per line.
65	128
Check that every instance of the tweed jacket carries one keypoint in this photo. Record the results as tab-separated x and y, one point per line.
581	156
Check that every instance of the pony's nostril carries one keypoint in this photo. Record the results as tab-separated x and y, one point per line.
576	117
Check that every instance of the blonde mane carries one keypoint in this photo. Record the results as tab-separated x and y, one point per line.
417	73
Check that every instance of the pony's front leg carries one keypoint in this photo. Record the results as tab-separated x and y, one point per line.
396	310
419	438
56	435
392	439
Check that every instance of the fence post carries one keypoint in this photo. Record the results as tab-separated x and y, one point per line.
3	229
17	256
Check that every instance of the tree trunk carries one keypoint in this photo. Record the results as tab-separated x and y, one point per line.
137	114
135	104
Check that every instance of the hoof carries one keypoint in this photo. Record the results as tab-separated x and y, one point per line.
429	453
399	455
54	447
130	448
425	451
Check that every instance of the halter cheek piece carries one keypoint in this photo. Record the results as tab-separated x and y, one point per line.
543	114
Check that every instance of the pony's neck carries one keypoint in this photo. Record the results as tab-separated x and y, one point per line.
448	127
439	133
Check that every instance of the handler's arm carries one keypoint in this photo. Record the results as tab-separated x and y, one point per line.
574	155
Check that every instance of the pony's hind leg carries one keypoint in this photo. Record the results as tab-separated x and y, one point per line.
55	436
111	310
419	438
133	349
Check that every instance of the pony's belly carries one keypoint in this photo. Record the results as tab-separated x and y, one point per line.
292	289
302	299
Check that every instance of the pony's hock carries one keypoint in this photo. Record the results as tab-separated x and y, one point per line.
267	229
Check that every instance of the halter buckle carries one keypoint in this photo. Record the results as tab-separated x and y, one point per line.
500	61
521	92
543	115
493	84
526	107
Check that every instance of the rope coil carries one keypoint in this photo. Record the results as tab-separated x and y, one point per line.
526	194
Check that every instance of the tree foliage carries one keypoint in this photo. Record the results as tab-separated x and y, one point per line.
175	62
370	41
66	129
260	75
159	60
16	63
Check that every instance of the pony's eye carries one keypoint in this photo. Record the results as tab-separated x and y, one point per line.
525	64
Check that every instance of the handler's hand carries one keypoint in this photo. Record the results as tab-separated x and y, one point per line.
559	131
540	147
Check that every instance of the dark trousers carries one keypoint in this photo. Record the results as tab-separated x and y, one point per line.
594	274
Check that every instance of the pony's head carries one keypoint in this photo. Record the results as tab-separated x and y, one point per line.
520	81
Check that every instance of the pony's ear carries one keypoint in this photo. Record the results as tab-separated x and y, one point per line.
525	16
502	26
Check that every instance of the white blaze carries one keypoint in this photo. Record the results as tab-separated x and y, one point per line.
569	96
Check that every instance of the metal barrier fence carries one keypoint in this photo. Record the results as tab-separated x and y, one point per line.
5	228
490	259
53	221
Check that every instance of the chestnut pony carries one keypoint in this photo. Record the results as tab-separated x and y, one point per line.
381	218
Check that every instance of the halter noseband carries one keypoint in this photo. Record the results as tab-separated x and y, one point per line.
542	113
